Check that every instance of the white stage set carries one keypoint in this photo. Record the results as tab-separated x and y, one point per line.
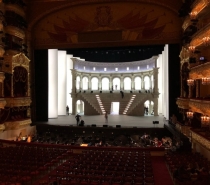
135	90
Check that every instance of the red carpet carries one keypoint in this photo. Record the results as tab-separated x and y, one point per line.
161	173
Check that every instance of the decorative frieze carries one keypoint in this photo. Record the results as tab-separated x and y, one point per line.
202	140
183	103
13	125
200	106
200	71
18	102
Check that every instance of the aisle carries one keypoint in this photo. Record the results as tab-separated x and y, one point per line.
161	173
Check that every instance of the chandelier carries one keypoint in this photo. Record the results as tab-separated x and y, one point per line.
190	82
190	114
205	120
205	81
206	41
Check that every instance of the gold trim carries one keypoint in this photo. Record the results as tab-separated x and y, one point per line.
183	103
2	127
18	102
2	103
13	125
16	9
200	71
201	140
20	60
200	106
12	30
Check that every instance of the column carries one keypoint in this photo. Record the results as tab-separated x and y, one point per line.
12	91
155	74
73	72
156	106
111	83
89	83
197	83
121	83
99	83
142	83
190	92
132	83
2	77
81	83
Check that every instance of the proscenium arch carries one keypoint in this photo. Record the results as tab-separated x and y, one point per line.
169	6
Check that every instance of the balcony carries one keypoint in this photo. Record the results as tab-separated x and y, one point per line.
18	102
13	125
201	137
200	105
200	71
183	103
2	103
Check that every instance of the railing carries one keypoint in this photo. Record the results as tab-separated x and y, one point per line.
201	138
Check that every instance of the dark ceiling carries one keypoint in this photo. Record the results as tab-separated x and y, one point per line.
119	54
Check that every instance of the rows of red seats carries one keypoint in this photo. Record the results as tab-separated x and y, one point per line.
104	168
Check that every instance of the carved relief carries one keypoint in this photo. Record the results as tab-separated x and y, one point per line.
18	102
183	103
200	71
13	125
200	106
203	141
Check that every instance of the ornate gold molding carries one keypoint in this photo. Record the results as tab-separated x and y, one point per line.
200	106
20	60
201	140
16	9
18	102
186	23
12	30
2	127
13	125
182	103
2	77
2	103
200	71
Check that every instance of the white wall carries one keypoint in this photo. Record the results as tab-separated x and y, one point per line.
69	66
52	83
62	77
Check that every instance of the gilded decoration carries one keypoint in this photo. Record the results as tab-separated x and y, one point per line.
200	106
18	102
183	103
16	9
13	30
203	141
198	72
20	60
184	55
2	127
2	103
13	125
186	23
134	23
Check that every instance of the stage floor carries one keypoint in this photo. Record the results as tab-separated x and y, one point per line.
113	120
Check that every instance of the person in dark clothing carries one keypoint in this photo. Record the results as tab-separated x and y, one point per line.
78	118
82	123
122	94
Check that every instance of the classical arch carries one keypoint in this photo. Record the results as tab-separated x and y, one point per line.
80	107
105	83
137	83
146	83
116	83
78	83
94	83
85	83
127	83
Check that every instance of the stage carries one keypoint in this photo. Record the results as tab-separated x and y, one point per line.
123	120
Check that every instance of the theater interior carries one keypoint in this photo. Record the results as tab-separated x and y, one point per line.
137	75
